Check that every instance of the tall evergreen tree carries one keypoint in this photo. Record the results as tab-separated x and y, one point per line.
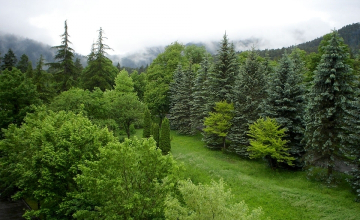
155	132
66	74
181	100
248	93
42	80
285	103
29	71
79	67
100	72
23	63
164	139
200	94
331	111
9	60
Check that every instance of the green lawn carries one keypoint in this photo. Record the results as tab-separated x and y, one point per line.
281	194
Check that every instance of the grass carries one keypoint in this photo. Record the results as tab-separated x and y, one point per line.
281	194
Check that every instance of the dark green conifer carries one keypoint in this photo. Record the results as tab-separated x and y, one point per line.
66	74
29	74
9	60
285	103
42	80
164	141
147	124
332	109
248	93
23	63
155	132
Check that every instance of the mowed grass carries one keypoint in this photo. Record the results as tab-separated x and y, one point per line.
281	194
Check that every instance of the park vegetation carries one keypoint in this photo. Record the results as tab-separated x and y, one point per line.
67	133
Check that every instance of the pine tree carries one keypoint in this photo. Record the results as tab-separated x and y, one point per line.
29	74
66	74
200	105
147	124
42	80
23	63
331	111
155	132
100	72
9	60
79	67
164	140
181	100
248	93
285	103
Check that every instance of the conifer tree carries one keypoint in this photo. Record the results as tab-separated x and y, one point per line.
164	140
23	63
147	124
181	100
9	60
285	104
100	72
248	93
42	80
66	74
29	71
200	93
155	132
331	111
79	67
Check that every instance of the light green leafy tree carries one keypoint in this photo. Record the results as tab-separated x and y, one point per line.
203	202
147	124
129	181
267	140
219	121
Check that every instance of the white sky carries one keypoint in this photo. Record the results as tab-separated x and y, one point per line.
135	24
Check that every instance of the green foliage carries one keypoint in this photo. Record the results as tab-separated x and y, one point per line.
332	109
100	72
147	124
164	139
286	103
44	155
9	60
219	122
248	94
159	75
202	202
22	65
17	94
267	141
155	132
124	83
66	74
43	82
129	181
139	83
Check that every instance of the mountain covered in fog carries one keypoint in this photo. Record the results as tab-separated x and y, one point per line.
33	49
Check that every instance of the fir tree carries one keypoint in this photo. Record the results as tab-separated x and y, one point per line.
164	140
248	93
29	74
147	124
79	67
331	111
66	74
200	105
23	63
155	133
100	72
181	100
42	80
285	103
9	60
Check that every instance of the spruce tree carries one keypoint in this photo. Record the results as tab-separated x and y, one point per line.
200	93
181	100
164	139
147	124
42	80
23	63
9	60
100	72
331	111
155	132
285	103
248	93
66	74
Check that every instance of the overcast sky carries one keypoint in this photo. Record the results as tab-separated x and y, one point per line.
131	25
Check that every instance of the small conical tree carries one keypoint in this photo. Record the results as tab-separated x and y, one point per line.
332	108
164	140
66	74
155	132
23	63
285	103
42	80
199	108
147	124
9	60
29	71
248	93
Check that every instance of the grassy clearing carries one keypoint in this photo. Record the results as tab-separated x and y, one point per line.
281	194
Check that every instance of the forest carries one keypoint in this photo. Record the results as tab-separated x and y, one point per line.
70	143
